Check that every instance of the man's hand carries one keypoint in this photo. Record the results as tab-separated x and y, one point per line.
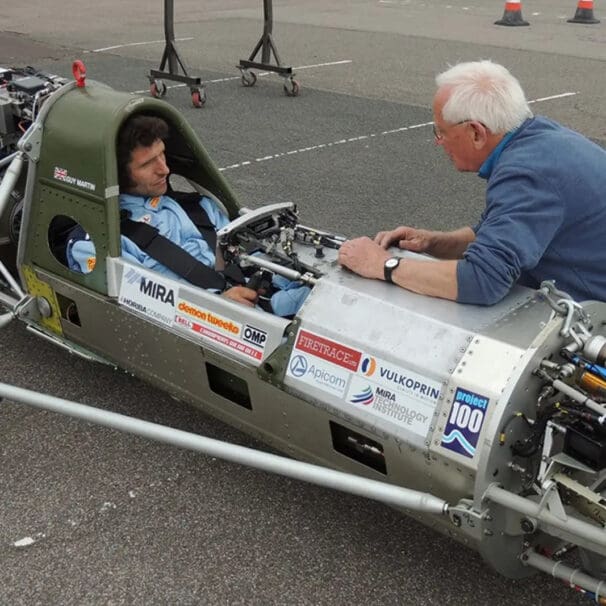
241	294
408	238
364	257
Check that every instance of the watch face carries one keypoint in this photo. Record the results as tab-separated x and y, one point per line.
391	263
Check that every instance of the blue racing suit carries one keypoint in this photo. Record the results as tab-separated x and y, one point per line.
173	223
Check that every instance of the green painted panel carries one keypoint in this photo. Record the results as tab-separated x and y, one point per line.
76	175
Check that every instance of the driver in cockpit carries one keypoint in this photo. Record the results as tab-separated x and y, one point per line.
159	234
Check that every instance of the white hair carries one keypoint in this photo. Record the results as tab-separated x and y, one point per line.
486	92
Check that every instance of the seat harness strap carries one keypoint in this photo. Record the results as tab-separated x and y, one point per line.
190	202
171	255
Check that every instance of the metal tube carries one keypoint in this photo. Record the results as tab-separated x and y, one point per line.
7	159
379	491
75	350
559	570
11	281
8	301
579	397
571	527
9	180
291	274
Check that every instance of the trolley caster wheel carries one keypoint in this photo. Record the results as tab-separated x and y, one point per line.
157	89
248	78
291	87
198	97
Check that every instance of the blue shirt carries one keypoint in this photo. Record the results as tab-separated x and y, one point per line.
173	223
544	219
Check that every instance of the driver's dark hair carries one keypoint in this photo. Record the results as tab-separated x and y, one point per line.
139	130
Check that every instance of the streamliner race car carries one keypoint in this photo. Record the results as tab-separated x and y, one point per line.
488	424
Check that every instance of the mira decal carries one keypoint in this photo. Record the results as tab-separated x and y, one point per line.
391	405
61	174
465	422
151	297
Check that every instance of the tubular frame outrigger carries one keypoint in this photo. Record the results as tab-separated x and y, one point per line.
395	496
315	474
268	48
171	57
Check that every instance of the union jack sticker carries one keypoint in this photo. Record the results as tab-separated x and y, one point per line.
60	173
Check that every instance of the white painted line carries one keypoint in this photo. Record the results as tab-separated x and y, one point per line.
362	138
555	97
343	62
323	145
100	50
232	78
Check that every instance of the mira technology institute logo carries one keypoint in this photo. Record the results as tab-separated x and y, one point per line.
365	396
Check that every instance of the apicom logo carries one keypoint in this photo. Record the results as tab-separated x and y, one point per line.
298	366
368	366
364	396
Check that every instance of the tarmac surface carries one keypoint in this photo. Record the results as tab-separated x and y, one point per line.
93	516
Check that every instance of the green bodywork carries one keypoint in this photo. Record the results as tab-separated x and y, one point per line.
76	175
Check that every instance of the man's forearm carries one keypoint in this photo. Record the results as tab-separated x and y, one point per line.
433	278
450	244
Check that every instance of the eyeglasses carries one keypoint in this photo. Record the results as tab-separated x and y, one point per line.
438	136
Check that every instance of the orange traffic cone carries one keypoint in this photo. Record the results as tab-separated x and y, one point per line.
584	13
512	14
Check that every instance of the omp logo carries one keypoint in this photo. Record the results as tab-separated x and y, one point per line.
365	396
298	366
253	335
157	291
368	366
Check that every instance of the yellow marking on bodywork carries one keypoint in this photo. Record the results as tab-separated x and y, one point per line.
38	288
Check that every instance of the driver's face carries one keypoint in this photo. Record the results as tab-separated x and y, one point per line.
148	170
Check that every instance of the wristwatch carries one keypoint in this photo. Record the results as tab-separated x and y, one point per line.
389	267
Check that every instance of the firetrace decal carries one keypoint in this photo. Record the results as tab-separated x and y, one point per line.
322	363
247	339
328	350
150	296
465	422
398	395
